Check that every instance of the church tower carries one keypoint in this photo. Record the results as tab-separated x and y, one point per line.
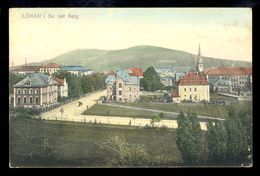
199	62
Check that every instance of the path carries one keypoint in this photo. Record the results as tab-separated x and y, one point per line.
73	113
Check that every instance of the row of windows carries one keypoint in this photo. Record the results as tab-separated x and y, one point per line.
195	89
28	101
129	89
26	91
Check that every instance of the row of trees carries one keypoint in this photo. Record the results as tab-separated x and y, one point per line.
227	142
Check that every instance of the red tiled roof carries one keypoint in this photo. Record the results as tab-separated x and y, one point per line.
228	71
59	81
27	68
175	94
51	65
136	71
193	78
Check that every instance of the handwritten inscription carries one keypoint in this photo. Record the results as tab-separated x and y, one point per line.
49	16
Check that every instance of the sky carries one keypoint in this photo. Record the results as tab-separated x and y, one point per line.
38	34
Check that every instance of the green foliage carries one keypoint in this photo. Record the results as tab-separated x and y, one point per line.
141	55
79	85
13	79
228	141
151	80
191	140
217	143
125	153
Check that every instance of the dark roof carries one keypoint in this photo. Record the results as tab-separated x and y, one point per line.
51	65
27	68
75	68
36	80
136	71
59	81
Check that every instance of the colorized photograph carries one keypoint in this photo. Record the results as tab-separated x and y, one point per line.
130	87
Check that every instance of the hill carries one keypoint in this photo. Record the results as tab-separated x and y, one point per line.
138	56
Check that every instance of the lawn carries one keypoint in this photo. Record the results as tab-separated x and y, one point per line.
210	110
79	144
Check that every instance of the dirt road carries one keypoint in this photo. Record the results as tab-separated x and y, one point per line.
72	112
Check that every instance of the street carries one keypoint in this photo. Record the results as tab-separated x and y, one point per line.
72	112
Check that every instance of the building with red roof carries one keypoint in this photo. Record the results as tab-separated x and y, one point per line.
194	87
50	68
240	77
136	72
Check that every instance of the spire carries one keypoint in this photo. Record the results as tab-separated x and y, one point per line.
199	61
199	51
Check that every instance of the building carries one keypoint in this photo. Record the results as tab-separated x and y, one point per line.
24	70
166	81
50	68
240	77
175	97
193	86
166	71
35	91
77	70
62	87
220	85
123	87
136	72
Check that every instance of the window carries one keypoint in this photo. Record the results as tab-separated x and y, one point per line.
190	89
18	100
28	83
130	96
31	101
24	100
129	88
120	92
31	91
24	91
36	100
185	89
120	85
18	91
110	88
120	99
36	91
195	89
12	100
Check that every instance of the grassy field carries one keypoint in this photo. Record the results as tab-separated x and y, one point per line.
78	144
210	110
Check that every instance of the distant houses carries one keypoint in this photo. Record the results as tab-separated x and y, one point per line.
236	80
122	86
24	70
50	68
167	75
77	70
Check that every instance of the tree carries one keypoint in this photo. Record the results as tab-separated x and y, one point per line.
13	79
151	80
125	153
190	139
237	145
228	141
217	143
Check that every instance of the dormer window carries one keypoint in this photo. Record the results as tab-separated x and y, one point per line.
27	83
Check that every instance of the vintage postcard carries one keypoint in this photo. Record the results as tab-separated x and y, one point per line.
130	87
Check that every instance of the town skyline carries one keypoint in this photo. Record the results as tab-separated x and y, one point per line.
37	38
